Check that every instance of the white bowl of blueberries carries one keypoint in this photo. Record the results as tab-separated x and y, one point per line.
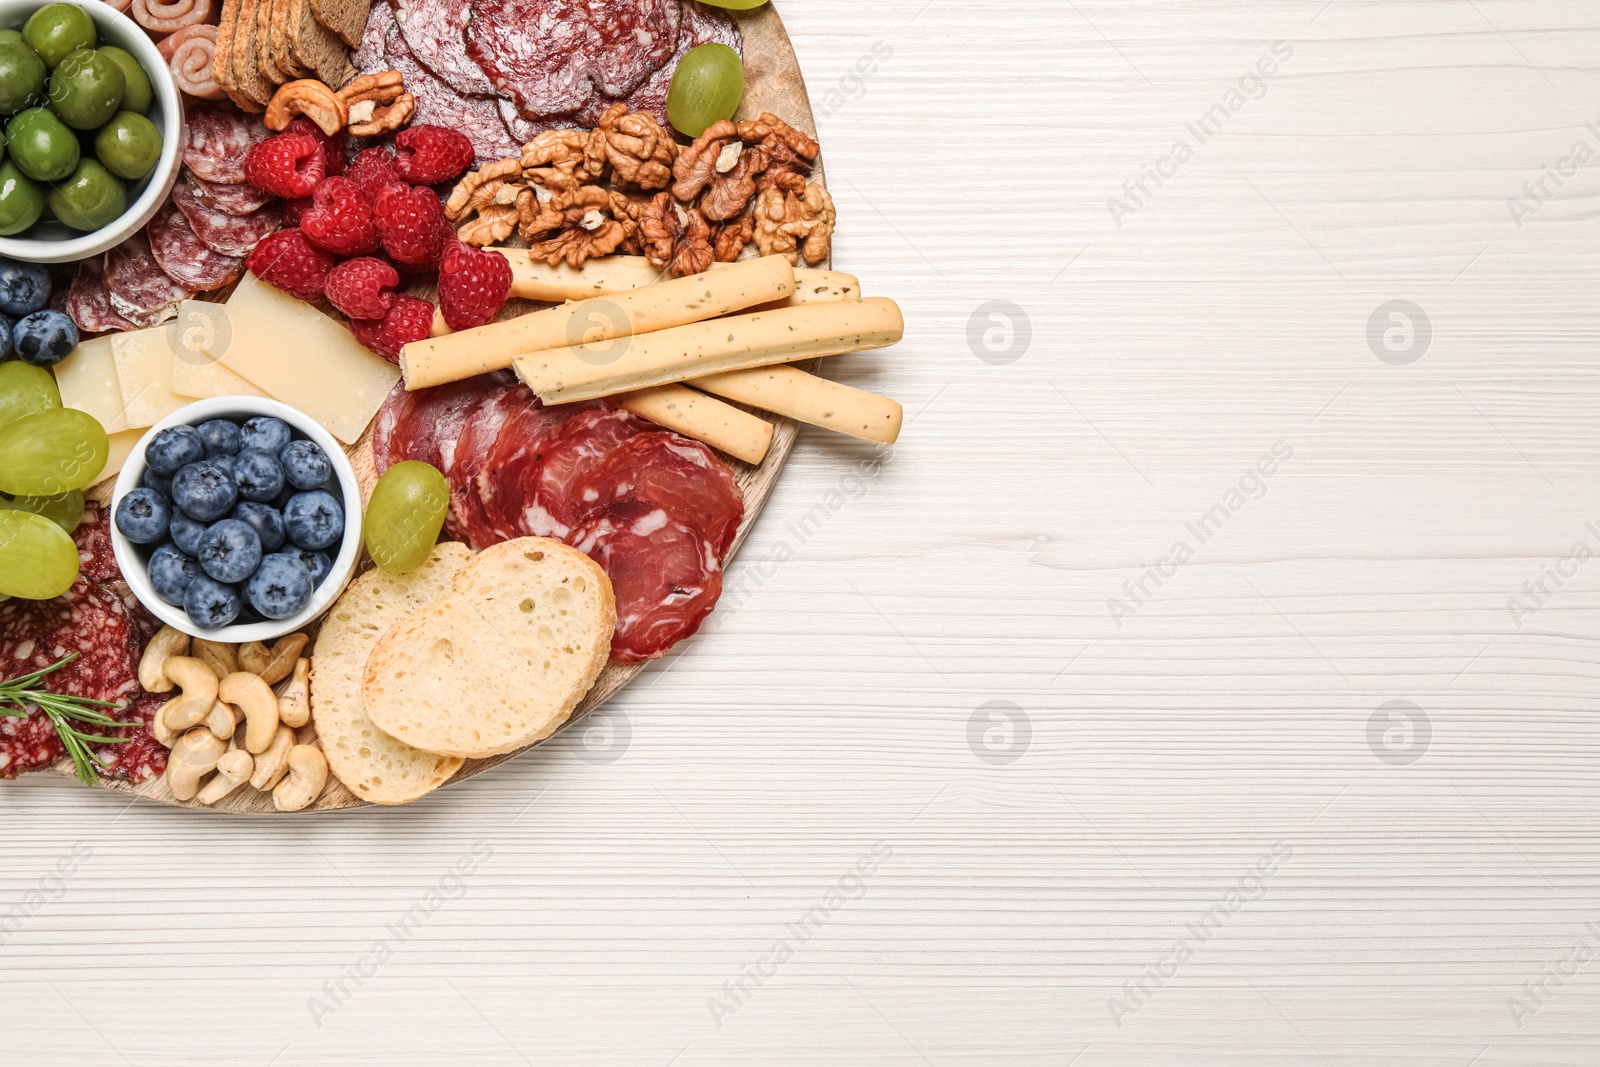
237	519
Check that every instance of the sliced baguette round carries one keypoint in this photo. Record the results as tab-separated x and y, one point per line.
501	661
371	764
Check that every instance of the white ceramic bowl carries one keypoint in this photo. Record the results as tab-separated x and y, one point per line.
133	559
54	242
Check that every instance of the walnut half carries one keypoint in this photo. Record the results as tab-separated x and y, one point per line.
675	238
790	225
377	103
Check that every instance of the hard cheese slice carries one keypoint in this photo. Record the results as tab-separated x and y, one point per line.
300	356
194	372
144	367
88	381
122	444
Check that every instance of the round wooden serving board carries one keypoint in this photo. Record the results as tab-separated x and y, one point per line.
773	83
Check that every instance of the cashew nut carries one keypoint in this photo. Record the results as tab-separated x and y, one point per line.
158	723
222	721
162	647
294	703
233	770
308	773
255	698
199	687
223	659
276	665
273	764
310	98
193	757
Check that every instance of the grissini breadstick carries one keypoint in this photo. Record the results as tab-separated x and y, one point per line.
789	391
704	418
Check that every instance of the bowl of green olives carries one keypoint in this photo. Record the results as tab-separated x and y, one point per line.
92	135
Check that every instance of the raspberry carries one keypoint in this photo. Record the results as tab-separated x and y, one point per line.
408	320
291	263
373	172
332	147
362	288
428	155
408	221
340	219
294	210
473	285
288	165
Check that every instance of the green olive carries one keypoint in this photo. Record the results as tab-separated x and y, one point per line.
129	145
22	75
86	89
41	145
21	200
136	95
56	29
93	197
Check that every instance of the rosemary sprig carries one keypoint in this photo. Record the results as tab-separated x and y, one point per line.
64	712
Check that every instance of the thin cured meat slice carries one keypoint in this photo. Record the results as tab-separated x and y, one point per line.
632	40
231	235
96	560
140	290
535	51
425	425
369	56
384	423
186	258
191	55
467	520
702	24
435	32
523	129
87	302
141	757
585	442
238	198
220	136
169	16
509	481
668	471
478	117
665	576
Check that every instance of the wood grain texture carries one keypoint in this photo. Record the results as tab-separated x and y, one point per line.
639	864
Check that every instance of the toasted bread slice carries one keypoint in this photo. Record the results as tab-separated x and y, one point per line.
272	47
311	46
371	764
502	660
347	18
248	79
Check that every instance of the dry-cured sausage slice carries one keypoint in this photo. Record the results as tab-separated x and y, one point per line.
87	302
632	39
186	258
220	136
467	521
478	117
671	472
585	442
141	757
96	560
230	198
435	32
231	235
140	290
509	481
665	576
427	423
535	51
369	56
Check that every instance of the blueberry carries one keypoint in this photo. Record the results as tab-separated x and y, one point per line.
143	516
161	483
44	338
186	532
221	437
24	287
7	323
281	587
211	604
205	490
171	571
266	433
258	475
174	447
318	563
266	521
230	551
225	461
314	520
306	465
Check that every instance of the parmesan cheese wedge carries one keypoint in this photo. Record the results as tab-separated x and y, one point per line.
88	382
296	354
787	335
807	398
661	306
144	369
704	418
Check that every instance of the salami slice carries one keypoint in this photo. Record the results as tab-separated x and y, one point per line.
665	576
509	481
384	423
88	303
435	32
535	51
370	57
140	290
702	24
522	129
585	442
240	198
220	136
96	561
141	757
683	477
186	258
230	235
632	39
440	105
467	520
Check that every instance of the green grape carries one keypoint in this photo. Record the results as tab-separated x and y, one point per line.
736	5
37	558
65	510
25	389
405	514
706	88
52	452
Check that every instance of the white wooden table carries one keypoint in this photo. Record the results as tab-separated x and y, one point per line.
1117	801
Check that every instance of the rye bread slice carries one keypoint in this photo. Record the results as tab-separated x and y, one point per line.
311	46
371	764
502	660
247	75
347	18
